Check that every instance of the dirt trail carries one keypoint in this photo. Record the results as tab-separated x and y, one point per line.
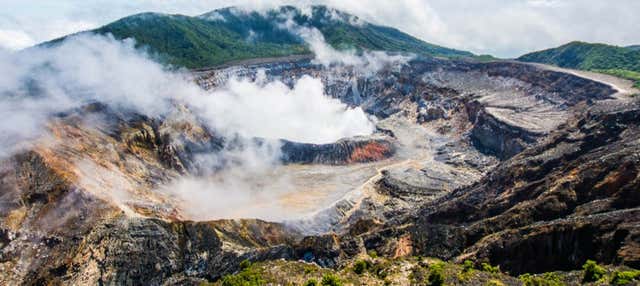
623	86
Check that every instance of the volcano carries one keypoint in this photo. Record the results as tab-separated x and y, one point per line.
285	146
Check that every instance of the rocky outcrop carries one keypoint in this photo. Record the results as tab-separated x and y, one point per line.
491	136
569	198
82	208
344	151
130	250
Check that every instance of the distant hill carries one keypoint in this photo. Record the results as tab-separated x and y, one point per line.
634	47
232	34
614	60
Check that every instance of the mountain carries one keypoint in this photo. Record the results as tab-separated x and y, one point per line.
633	47
587	56
231	34
614	60
508	166
471	172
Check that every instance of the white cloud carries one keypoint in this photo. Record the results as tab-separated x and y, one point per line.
500	27
303	113
15	40
41	82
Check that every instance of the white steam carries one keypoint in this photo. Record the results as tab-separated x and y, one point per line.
303	113
40	82
368	63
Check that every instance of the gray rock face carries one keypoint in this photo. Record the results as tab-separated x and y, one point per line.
564	200
345	151
564	185
128	251
491	136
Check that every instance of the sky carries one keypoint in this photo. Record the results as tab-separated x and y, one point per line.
503	28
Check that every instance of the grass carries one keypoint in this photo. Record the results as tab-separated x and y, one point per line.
625	277
592	271
546	279
416	271
626	74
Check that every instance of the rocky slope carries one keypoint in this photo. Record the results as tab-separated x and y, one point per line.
507	163
569	198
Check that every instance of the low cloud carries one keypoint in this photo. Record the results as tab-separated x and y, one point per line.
42	82
303	113
365	63
498	27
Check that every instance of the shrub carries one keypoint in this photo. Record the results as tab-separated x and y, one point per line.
243	279
436	274
547	279
467	270
360	266
625	277
418	275
494	282
309	269
331	280
467	266
373	254
491	269
380	269
311	282
245	264
592	271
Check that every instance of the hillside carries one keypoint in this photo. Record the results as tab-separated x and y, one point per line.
619	61
633	47
231	34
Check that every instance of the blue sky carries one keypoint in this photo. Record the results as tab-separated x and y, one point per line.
504	28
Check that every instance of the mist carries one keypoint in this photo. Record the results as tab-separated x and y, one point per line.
364	63
41	82
303	113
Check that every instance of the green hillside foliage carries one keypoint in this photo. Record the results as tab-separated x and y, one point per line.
195	42
586	56
633	48
631	75
613	60
231	34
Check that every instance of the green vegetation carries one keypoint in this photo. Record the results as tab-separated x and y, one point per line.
436	274
486	267
617	61
422	271
633	48
196	42
592	271
418	274
331	280
380	269
246	277
587	56
311	282
373	254
467	270
546	279
625	277
245	264
360	266
494	282
630	75
226	35
467	266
